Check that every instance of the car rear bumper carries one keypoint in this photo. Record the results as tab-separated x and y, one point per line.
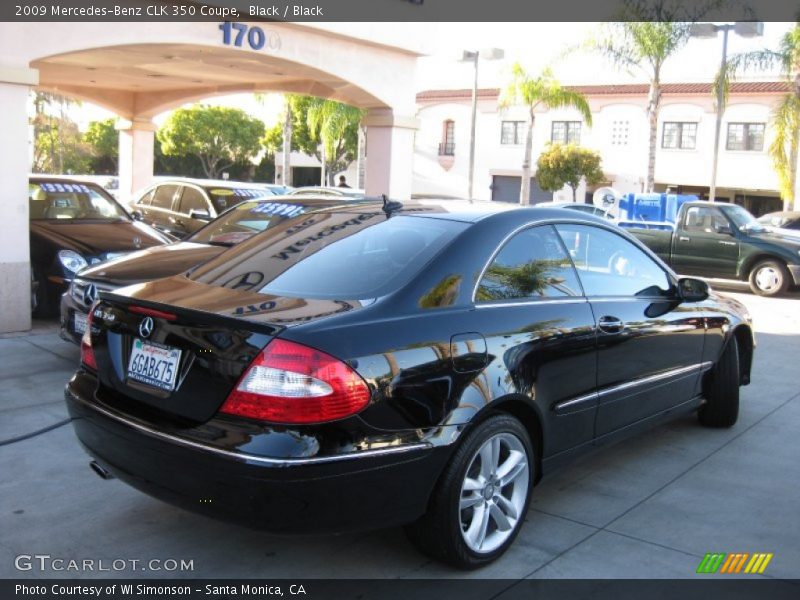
349	492
795	272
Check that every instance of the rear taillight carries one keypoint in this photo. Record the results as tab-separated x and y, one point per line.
292	383
87	352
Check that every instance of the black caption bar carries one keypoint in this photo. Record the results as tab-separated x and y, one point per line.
399	10
403	589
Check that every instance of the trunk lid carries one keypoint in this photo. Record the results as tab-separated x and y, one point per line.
205	337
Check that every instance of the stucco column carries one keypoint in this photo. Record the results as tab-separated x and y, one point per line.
136	153
15	271
390	153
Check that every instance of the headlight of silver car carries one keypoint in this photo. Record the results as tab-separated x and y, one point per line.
72	261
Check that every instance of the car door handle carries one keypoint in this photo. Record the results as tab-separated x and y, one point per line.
727	243
609	324
685	239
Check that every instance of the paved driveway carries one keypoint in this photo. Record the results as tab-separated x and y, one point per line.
651	506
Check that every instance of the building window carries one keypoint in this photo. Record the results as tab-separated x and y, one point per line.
566	132
745	136
447	146
619	133
679	136
512	132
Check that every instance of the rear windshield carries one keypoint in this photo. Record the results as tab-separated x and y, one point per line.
341	255
244	221
72	201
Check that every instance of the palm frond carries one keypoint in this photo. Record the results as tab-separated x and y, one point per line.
784	146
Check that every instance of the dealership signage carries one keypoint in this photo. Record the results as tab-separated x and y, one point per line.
242	35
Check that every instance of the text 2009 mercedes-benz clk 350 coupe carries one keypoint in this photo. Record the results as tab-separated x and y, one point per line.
382	365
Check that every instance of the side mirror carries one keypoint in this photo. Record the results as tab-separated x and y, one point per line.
202	215
692	290
136	216
726	229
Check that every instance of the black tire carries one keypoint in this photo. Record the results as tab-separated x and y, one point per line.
439	532
769	278
721	390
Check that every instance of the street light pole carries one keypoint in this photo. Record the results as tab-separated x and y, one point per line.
712	191
747	29
474	56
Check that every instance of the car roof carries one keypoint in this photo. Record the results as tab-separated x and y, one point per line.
65	178
783	213
161	179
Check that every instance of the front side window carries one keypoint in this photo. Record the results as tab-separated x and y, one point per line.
532	264
745	136
62	200
566	132
512	132
609	265
679	136
704	219
192	199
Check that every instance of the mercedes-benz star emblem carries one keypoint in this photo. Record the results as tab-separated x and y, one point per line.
89	294
146	327
137	241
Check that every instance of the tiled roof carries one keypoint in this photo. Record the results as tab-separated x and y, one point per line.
737	87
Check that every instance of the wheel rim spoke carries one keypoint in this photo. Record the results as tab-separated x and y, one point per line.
500	519
469	501
488	463
476	533
510	464
507	507
513	474
471	485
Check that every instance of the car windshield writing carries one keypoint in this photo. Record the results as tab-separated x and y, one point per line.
245	220
71	201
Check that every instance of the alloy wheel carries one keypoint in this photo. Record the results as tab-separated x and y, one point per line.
494	493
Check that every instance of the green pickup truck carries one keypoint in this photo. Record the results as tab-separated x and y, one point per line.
724	241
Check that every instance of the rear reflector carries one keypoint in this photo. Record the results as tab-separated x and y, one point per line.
87	352
294	384
152	312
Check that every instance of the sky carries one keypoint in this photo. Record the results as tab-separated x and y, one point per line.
534	45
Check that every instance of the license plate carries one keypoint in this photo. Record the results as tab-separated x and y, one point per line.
79	323
154	364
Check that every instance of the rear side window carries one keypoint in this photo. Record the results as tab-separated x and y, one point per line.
610	265
532	264
370	262
163	196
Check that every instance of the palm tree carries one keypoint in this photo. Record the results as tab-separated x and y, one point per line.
643	47
332	120
786	117
534	92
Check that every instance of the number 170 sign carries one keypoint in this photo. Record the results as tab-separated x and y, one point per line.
239	34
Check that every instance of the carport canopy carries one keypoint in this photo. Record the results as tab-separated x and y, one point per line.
138	70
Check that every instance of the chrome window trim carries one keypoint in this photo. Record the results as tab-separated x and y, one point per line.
701	367
243	456
544	300
212	211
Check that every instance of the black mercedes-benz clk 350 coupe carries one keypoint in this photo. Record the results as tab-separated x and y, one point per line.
382	365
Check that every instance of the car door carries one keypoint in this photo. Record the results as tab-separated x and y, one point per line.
193	210
649	345
534	317
161	208
140	208
705	244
